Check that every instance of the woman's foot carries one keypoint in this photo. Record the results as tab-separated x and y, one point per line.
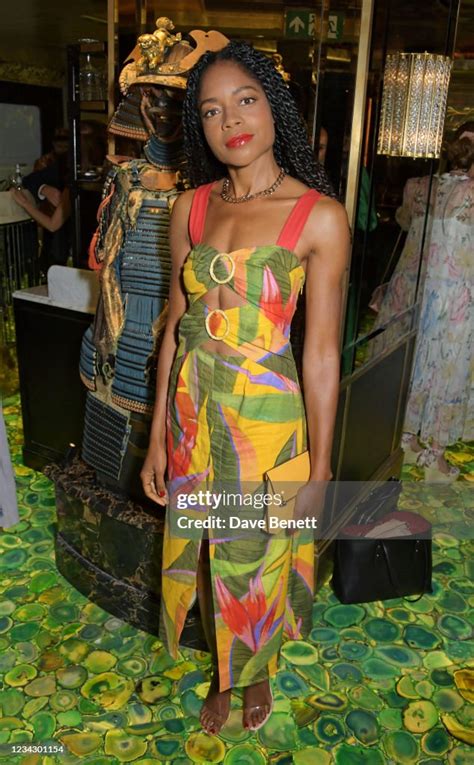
258	704
216	707
437	469
412	448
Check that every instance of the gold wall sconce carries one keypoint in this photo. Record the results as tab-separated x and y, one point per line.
415	92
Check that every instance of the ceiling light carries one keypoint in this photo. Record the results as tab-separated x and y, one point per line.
415	92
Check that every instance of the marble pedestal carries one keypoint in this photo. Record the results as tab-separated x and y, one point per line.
109	548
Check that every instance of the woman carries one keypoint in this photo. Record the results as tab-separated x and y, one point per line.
51	184
440	404
59	200
54	220
401	290
234	405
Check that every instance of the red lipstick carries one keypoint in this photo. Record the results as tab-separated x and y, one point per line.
239	140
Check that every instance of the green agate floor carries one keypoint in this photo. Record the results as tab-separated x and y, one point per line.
372	684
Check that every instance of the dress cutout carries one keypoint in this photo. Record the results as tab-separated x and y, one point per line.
234	417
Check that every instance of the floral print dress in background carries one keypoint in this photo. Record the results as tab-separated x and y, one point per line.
401	291
441	396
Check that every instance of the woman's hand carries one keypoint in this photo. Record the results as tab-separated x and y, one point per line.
310	503
153	474
22	198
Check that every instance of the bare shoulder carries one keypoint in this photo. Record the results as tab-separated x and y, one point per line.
328	219
329	233
329	211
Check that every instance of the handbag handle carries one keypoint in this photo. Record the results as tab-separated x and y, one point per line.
395	586
379	498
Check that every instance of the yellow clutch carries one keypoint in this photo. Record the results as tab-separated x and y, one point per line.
283	483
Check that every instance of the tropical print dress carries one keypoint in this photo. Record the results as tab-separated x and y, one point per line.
234	417
441	397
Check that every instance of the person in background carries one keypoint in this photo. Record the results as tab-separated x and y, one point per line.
59	152
52	223
440	404
46	199
49	185
50	173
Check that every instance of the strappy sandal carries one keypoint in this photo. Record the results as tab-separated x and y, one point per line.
433	473
220	719
217	718
411	456
253	708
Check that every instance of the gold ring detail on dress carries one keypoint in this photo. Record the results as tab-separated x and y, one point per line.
208	329
232	268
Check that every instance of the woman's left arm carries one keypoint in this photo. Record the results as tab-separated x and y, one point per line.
329	242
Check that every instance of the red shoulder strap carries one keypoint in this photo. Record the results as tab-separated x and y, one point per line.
197	215
297	218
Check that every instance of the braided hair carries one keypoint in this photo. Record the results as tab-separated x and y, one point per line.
291	147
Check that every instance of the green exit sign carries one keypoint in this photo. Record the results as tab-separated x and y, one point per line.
335	26
299	23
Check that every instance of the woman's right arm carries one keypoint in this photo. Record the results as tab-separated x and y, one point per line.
50	222
154	467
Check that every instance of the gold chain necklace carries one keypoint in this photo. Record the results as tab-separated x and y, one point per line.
227	197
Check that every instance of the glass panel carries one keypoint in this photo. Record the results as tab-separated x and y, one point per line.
393	190
337	70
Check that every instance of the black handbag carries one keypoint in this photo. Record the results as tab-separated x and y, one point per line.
367	569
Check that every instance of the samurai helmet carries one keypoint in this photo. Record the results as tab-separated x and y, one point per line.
161	58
